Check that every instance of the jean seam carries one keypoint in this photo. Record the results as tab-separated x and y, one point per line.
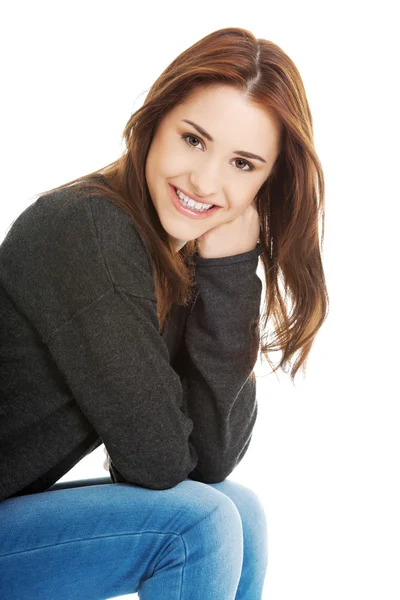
181	535
89	539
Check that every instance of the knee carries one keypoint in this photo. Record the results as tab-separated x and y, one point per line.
252	513
253	508
248	504
227	515
214	510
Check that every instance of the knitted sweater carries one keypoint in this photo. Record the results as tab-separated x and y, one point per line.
83	362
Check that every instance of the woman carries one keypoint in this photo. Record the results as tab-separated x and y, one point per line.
130	315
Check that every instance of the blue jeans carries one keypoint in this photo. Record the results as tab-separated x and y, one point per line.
95	540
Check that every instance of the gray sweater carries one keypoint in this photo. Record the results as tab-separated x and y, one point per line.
82	360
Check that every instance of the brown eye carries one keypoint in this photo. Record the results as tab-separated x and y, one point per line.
187	136
246	163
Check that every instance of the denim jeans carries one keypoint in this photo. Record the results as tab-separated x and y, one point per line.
95	540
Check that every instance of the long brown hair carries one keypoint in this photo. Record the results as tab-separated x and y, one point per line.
291	202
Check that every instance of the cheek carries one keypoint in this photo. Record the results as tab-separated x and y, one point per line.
169	161
243	201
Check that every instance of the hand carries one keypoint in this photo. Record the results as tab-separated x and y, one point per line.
235	237
106	463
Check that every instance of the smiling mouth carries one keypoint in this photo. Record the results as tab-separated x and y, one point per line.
199	201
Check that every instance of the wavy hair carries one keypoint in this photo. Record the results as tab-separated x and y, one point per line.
291	202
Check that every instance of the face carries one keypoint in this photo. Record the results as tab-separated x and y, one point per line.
211	172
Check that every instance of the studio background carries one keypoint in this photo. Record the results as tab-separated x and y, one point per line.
324	454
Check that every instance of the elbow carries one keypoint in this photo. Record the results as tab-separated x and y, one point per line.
216	471
149	480
209	475
160	476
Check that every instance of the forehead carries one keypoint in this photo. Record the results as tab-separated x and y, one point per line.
227	114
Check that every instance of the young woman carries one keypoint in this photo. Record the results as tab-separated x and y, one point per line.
130	316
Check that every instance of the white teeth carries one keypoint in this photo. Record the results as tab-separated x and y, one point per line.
196	205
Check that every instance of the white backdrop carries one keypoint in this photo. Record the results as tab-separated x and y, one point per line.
324	454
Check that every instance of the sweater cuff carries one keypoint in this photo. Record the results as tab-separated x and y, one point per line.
228	260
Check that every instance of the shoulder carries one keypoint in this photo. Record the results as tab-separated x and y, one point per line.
70	220
118	236
69	247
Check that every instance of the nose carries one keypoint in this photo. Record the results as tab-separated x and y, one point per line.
204	185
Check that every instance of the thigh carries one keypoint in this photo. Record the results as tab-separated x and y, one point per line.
96	539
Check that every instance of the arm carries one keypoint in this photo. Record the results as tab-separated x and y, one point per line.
118	369
216	360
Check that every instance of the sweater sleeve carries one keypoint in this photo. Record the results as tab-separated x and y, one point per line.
117	366
216	360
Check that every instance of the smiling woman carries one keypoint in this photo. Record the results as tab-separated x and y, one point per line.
258	104
210	174
130	316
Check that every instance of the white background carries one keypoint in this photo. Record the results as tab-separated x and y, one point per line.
324	454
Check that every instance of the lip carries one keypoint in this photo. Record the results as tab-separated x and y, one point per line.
186	211
190	196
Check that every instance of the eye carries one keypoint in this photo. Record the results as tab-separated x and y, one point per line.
251	168
186	136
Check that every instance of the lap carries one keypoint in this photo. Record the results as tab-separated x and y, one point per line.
69	508
95	538
245	499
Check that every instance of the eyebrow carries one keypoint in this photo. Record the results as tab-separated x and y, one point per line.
211	139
